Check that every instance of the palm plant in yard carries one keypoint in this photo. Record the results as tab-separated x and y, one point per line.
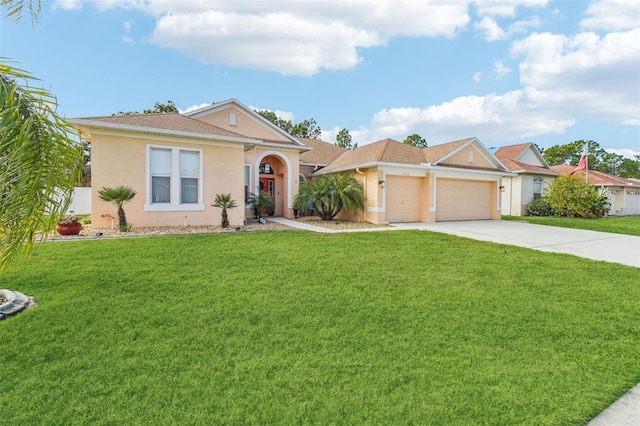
224	202
332	193
40	161
118	196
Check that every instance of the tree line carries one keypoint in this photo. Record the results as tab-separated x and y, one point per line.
598	159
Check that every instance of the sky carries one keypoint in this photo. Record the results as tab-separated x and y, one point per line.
506	72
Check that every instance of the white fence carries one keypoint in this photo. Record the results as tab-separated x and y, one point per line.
80	201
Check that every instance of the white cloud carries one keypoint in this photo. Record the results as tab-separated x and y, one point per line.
612	15
67	4
627	153
296	37
587	75
500	70
505	8
127	40
127	25
490	29
193	107
477	77
564	79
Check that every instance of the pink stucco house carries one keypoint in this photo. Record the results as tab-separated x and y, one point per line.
179	162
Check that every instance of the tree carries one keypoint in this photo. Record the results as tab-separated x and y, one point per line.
15	8
40	161
571	196
305	129
224	202
343	139
416	140
599	159
118	196
331	193
159	108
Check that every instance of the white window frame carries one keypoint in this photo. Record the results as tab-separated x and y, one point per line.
536	181
174	204
247	169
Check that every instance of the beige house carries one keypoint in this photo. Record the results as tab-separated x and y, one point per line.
531	176
452	181
623	193
179	162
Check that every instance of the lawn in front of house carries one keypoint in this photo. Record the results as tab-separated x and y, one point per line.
629	225
292	327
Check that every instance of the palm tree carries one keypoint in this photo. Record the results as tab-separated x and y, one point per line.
224	202
260	202
40	162
332	193
118	196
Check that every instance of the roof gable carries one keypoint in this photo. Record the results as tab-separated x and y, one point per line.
468	153
523	158
234	116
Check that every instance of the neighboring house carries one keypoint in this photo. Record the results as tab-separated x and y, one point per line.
452	181
179	162
532	176
623	193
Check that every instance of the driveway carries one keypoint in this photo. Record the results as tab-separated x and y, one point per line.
617	248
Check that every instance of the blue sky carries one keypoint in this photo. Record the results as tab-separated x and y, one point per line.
506	72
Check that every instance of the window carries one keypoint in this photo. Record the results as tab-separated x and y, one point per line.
537	188
232	119
174	179
247	180
161	176
471	156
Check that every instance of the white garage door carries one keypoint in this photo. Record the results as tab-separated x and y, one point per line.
403	198
462	200
632	202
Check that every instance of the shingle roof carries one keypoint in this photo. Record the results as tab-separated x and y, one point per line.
171	121
436	152
322	153
384	151
595	177
508	155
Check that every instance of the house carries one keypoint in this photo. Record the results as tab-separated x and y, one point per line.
179	162
623	193
453	181
531	176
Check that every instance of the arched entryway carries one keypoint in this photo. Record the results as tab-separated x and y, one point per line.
273	175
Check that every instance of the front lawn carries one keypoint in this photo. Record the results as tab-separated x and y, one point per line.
629	225
292	327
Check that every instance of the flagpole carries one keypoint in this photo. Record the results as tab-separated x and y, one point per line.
586	170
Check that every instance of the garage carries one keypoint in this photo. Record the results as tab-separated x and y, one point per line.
632	202
403	198
458	199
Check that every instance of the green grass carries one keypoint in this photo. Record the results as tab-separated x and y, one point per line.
629	225
303	328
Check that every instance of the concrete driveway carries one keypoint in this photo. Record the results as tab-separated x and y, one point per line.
617	248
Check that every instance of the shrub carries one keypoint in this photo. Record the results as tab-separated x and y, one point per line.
540	207
571	196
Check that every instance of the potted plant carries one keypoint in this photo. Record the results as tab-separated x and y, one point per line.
69	225
261	203
299	205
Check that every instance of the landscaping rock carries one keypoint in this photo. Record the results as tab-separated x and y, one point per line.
16	302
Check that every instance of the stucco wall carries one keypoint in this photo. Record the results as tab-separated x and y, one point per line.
244	125
118	160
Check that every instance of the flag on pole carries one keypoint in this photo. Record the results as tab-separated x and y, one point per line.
582	165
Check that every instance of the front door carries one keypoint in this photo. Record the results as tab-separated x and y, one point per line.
267	185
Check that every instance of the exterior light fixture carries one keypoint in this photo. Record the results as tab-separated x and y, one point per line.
381	183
